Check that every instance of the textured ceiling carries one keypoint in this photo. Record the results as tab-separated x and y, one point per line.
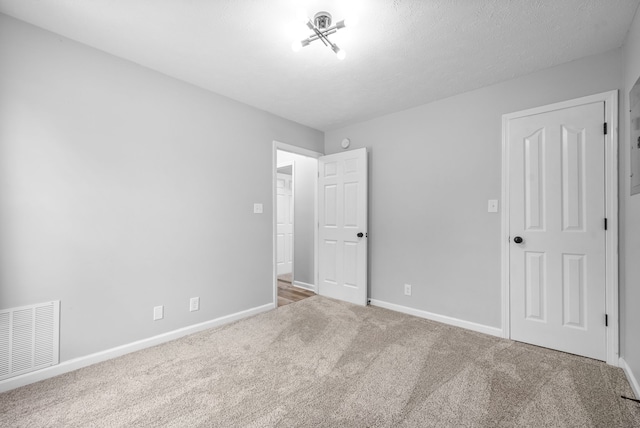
403	53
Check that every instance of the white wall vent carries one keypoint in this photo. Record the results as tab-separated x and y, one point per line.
29	338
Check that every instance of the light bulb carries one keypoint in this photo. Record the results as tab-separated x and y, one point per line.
296	46
341	54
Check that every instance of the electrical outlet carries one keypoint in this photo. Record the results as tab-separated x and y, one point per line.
194	304
158	313
407	289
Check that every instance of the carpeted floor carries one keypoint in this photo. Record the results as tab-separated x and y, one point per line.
323	363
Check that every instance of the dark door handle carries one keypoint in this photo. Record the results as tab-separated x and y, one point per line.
360	235
518	240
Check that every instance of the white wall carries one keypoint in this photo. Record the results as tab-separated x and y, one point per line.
432	170
122	189
306	171
630	211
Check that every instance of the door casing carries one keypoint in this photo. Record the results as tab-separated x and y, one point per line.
611	209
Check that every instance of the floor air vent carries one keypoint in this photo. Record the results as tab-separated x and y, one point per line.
29	338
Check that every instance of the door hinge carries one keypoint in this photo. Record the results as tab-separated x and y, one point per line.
606	320
605	223
605	128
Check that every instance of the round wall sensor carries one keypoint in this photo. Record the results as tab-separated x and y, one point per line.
345	143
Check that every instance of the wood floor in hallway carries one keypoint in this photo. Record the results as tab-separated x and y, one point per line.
287	293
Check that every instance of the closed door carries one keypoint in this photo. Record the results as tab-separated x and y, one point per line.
557	231
284	224
342	202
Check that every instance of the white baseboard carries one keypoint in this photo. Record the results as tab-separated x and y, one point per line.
77	363
304	285
493	331
632	379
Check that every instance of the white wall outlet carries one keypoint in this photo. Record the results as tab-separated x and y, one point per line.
492	206
158	313
257	208
194	304
407	289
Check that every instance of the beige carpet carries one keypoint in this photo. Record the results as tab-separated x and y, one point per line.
322	363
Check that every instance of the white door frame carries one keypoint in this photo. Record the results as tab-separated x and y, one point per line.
274	167
611	212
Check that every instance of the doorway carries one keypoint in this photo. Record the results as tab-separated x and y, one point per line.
295	219
560	228
330	252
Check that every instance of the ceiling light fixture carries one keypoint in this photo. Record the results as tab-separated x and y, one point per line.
322	29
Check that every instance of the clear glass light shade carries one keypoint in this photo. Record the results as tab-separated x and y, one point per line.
341	54
296	45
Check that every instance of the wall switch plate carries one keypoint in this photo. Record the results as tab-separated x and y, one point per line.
407	289
257	208
492	206
194	304
158	313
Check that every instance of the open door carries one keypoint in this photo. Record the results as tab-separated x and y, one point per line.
342	206
284	222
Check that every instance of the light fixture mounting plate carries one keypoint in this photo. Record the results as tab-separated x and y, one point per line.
322	20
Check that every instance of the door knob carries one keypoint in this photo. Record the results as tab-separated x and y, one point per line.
360	235
518	240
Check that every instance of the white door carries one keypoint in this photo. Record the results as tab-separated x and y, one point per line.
284	224
556	230
342	206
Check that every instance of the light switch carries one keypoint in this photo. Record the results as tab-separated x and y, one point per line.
257	208
492	206
158	313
